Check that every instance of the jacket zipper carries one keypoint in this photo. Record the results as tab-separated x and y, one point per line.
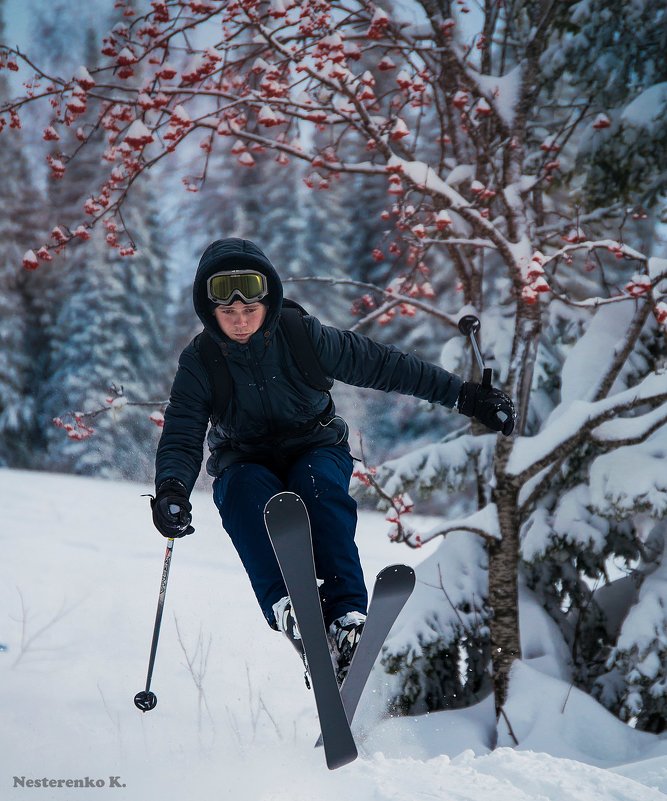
260	384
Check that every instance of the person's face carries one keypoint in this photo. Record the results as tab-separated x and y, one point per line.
239	321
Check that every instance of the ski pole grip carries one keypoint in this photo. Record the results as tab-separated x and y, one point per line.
469	324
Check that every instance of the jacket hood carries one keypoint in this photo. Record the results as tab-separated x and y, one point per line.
234	254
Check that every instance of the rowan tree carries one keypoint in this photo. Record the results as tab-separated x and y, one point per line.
476	121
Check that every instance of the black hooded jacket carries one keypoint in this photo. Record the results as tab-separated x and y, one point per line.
272	409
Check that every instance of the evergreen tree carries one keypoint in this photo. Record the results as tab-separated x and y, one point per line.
18	216
102	320
50	288
613	54
115	331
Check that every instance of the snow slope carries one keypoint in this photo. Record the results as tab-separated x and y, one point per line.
79	577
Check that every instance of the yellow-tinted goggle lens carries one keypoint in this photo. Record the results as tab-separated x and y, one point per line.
249	286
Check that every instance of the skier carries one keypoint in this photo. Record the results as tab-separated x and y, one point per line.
280	433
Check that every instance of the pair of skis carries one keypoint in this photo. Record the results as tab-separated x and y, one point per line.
288	525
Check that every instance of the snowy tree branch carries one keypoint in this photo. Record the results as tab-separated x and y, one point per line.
623	350
570	432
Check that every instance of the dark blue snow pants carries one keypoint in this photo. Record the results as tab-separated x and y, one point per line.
322	478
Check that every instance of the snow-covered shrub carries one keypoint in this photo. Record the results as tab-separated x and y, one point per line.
442	649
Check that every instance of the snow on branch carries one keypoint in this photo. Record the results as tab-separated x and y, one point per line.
471	242
425	469
619	250
631	479
630	431
449	599
500	93
644	627
577	425
424	177
483	523
442	464
640	653
573	522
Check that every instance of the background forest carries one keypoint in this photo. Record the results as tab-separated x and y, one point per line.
430	158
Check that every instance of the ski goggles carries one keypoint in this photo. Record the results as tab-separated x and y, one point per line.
246	285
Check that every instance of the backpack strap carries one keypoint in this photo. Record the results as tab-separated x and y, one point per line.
218	374
301	346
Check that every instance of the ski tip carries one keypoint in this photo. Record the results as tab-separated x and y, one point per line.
404	571
395	578
281	500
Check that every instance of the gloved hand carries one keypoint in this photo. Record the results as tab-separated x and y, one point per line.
172	509
489	405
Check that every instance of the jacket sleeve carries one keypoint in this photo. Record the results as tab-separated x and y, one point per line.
358	360
181	447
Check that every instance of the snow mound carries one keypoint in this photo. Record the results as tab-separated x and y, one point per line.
552	716
78	583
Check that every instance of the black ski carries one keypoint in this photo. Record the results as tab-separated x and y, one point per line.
288	526
393	587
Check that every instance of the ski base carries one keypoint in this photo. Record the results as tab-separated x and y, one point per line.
393	587
288	526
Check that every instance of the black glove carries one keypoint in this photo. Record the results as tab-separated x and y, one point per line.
172	509
489	405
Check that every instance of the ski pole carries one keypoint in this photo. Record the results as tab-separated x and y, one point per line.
469	325
146	700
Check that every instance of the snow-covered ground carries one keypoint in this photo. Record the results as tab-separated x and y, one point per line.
80	567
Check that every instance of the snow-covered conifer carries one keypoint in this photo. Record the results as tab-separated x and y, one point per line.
19	217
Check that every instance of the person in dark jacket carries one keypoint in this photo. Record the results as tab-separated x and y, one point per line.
279	433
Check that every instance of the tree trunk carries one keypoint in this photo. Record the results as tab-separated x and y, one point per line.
503	591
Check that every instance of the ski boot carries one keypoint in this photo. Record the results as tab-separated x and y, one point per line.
344	634
286	622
